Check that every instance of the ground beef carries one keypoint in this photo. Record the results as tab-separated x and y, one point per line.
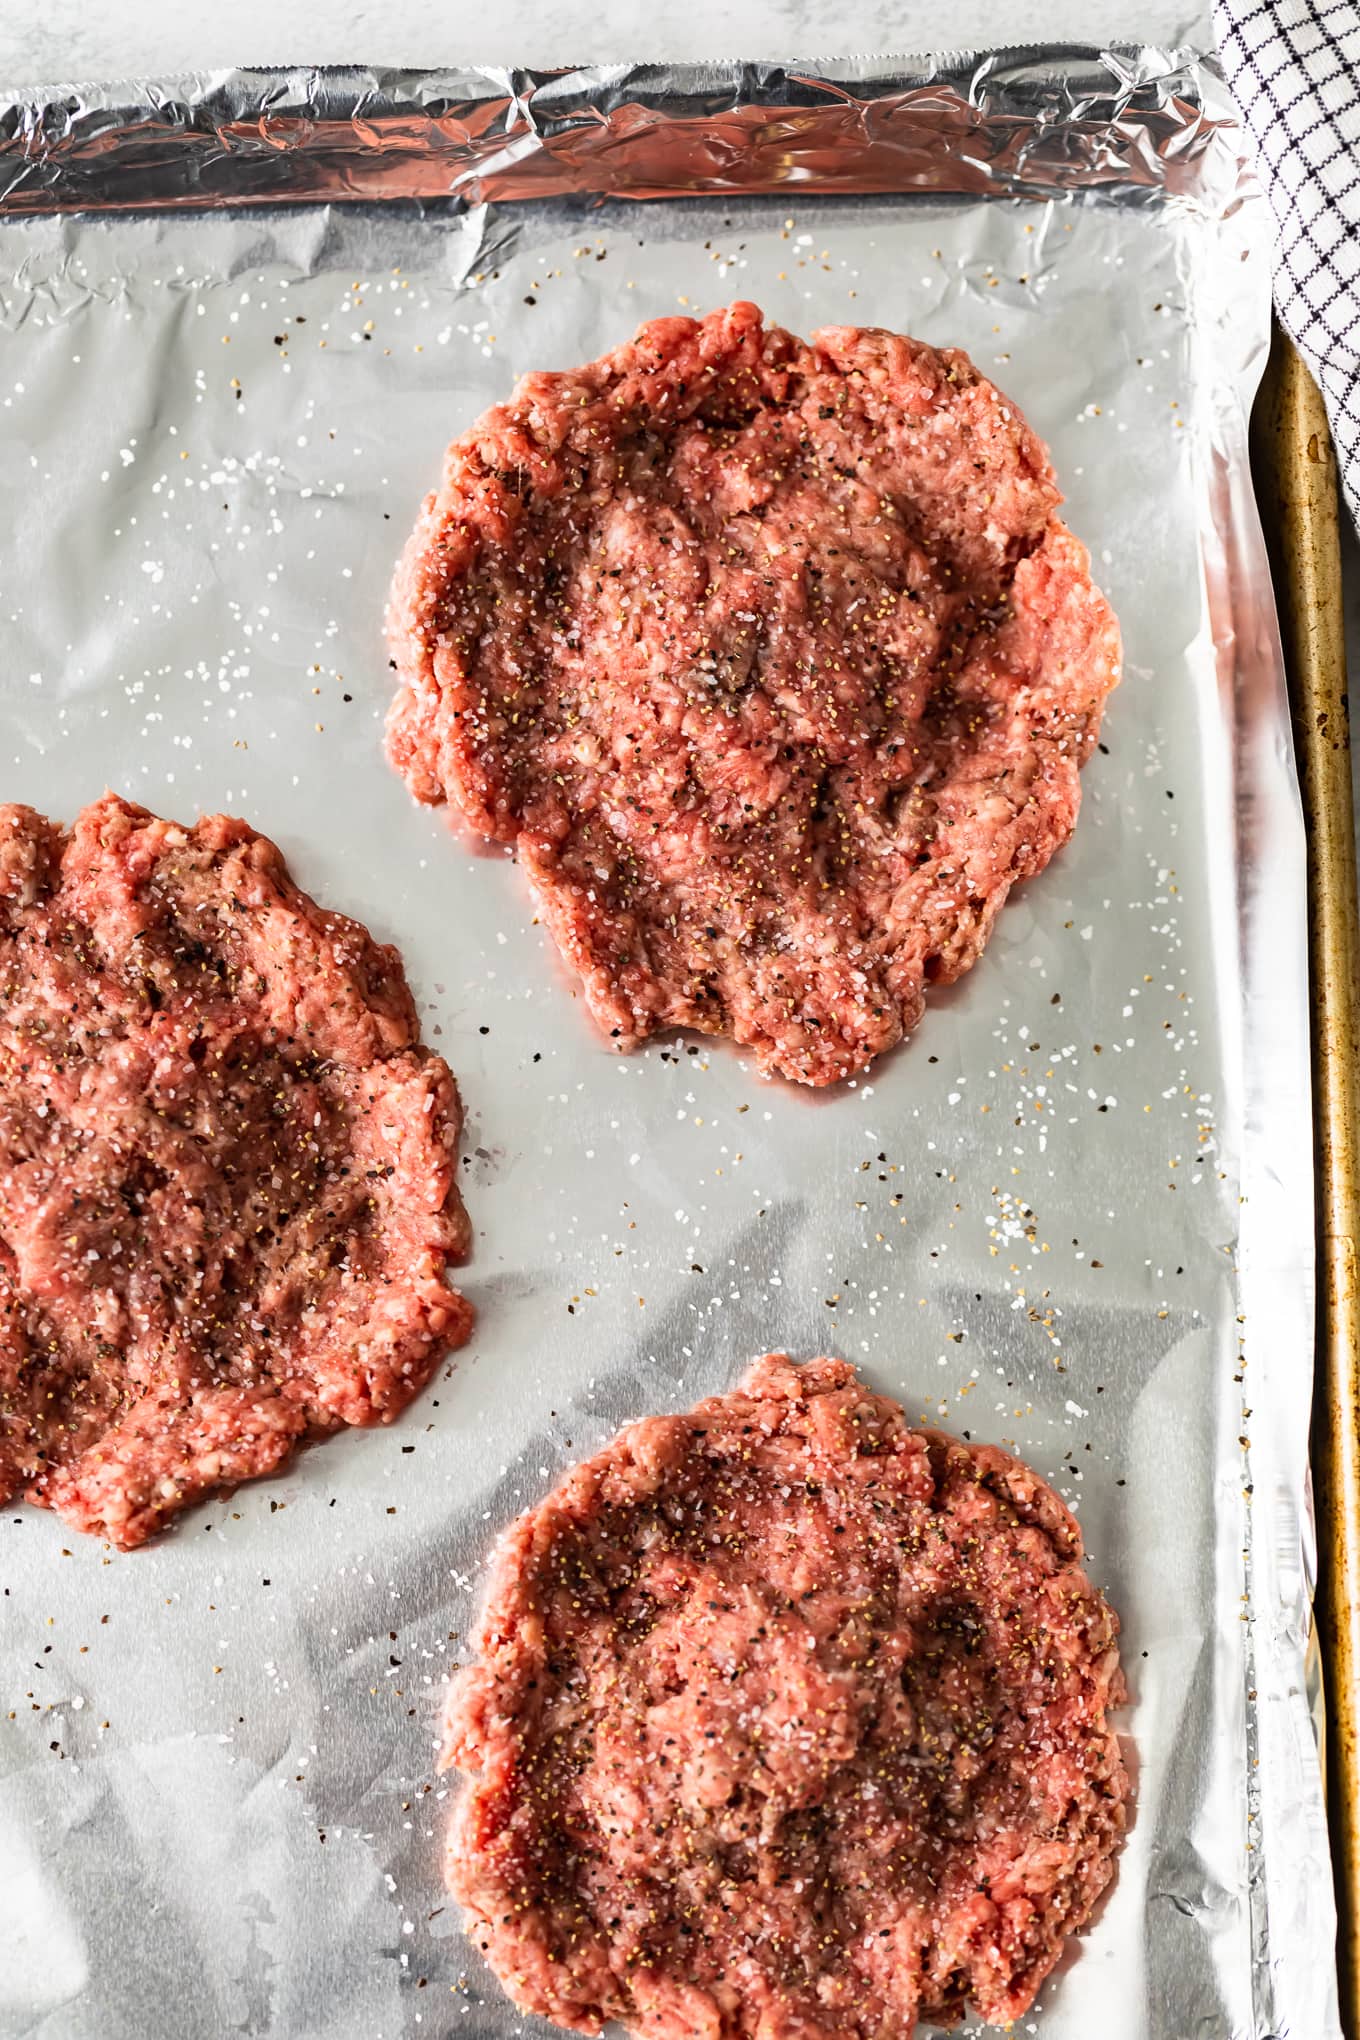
789	1722
773	662
227	1188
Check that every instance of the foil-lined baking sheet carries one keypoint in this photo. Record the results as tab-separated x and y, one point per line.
241	316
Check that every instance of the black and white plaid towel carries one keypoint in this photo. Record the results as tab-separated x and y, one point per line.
1294	69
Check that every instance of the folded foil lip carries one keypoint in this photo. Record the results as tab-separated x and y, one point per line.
1009	122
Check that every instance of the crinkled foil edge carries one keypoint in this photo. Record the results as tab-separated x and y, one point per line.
1017	122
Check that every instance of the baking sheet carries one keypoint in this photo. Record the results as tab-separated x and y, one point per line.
1073	1215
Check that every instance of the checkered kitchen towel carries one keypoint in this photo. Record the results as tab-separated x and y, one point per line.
1294	69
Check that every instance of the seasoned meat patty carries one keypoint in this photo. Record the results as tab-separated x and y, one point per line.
227	1188
790	1722
772	661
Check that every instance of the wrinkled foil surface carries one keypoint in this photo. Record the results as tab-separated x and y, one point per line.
241	317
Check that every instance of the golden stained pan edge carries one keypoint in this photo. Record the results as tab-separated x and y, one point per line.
1296	478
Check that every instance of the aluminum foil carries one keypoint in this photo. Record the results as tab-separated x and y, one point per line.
1073	1215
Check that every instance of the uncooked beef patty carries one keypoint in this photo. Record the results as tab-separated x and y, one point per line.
790	1723
774	663
227	1190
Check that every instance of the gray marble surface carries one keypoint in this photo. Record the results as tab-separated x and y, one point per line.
42	40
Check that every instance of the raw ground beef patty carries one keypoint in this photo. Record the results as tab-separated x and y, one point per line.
789	1723
227	1188
774	663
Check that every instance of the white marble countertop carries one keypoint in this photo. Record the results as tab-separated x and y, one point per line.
46	40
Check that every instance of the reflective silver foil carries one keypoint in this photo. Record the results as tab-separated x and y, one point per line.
241	317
